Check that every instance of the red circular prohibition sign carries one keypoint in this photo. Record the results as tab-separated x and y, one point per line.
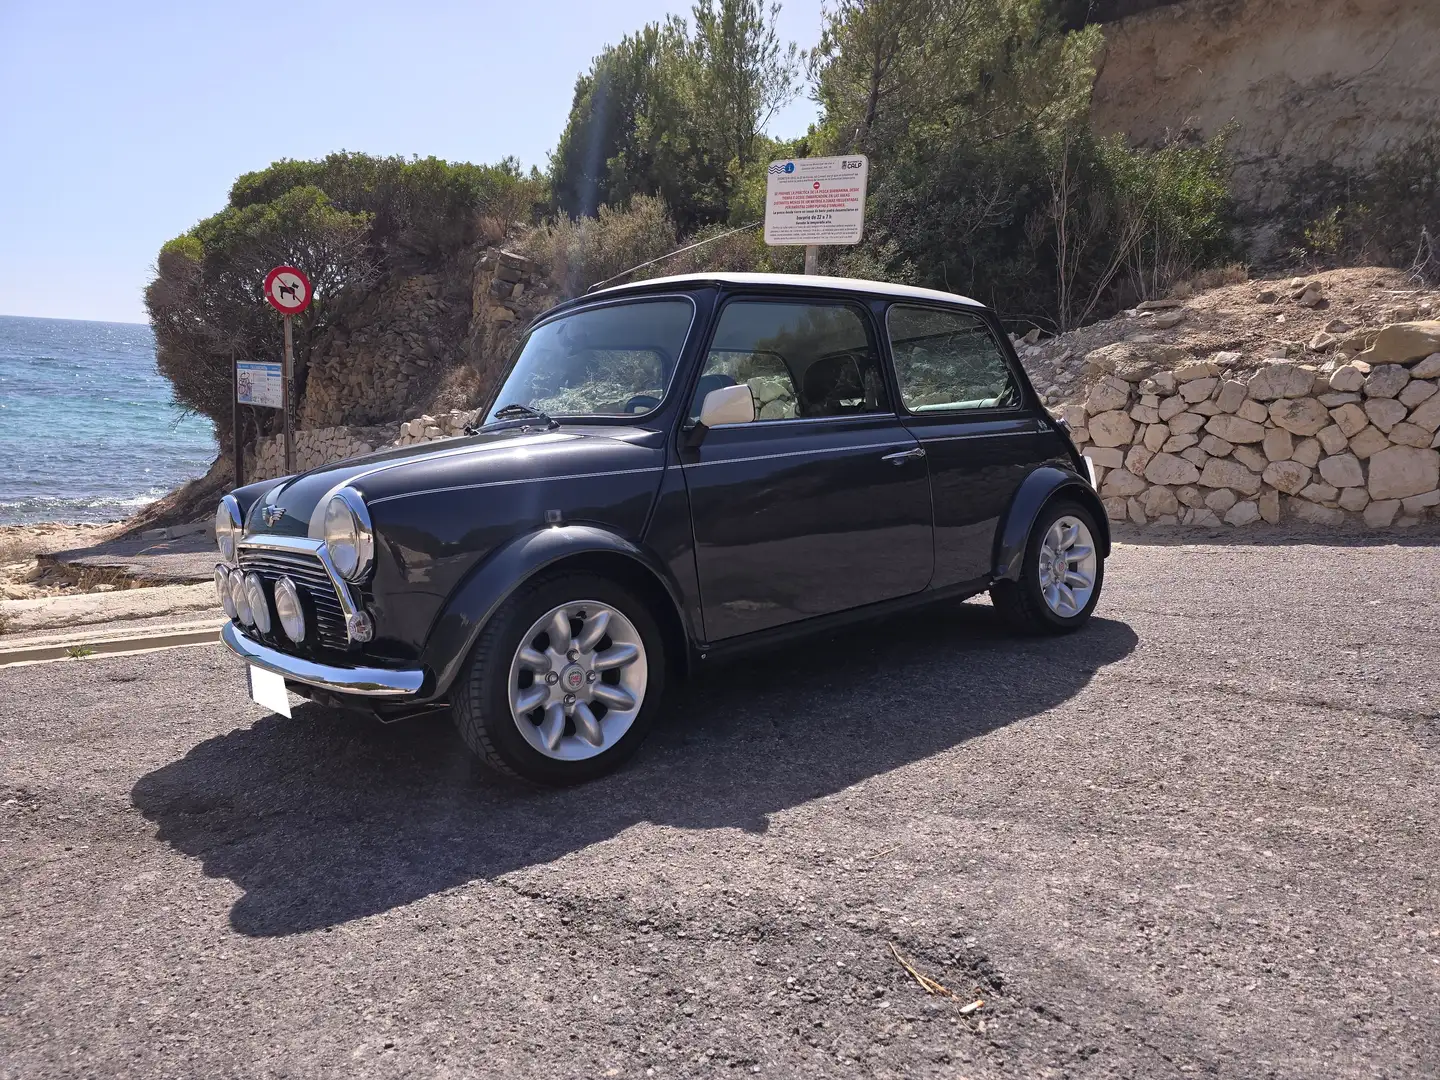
288	290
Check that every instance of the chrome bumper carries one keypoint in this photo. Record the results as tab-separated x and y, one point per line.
362	681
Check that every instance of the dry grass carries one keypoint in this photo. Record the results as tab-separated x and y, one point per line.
1214	278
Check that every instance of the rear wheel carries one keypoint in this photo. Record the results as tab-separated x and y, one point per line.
1060	576
564	682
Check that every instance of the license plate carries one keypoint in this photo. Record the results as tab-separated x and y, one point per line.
268	689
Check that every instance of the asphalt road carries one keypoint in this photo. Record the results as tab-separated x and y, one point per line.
1199	837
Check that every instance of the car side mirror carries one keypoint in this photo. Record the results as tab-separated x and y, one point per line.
727	405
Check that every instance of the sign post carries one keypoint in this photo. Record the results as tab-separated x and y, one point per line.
288	291
815	201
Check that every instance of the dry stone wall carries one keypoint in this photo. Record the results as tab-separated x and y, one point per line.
1203	443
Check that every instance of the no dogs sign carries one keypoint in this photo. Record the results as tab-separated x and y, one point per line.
288	290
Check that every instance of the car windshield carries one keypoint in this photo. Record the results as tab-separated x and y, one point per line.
608	361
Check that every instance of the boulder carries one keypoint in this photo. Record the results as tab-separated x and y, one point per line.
1403	343
1227	473
1313	295
1401	471
1234	429
1385	412
1167	320
1111	429
1342	471
1286	476
1428	368
1132	361
1302	416
1169	469
1386	381
1280	379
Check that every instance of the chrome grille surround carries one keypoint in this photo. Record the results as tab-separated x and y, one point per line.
305	562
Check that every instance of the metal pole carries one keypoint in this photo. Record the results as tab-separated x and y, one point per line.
812	259
288	392
237	441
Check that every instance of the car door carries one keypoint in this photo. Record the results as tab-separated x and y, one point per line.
965	404
822	502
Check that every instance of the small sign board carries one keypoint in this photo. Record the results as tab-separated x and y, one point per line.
816	200
288	290
260	383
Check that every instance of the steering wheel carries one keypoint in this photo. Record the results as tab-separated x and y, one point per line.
641	403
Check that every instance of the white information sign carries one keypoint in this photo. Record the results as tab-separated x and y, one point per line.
260	383
816	201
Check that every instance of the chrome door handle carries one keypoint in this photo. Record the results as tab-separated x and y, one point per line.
900	457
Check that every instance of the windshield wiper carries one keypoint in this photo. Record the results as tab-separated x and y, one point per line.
517	411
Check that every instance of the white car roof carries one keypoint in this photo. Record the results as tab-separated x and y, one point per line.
879	288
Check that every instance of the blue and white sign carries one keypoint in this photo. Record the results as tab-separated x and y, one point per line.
260	383
816	200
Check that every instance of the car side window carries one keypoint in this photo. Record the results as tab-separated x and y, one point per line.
799	360
948	361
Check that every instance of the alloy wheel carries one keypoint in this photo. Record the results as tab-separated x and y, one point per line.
1067	566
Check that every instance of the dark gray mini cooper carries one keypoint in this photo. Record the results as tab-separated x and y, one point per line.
671	472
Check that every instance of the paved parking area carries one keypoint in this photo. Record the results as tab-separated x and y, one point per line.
1199	837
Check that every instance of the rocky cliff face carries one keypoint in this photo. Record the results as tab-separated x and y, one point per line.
1306	81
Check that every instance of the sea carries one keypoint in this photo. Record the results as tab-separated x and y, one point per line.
88	429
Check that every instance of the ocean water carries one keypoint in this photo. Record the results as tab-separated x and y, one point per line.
87	428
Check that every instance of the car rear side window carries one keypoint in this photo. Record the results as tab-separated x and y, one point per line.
948	361
799	360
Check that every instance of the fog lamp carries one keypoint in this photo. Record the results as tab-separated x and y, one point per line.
361	626
289	611
222	589
242	602
259	606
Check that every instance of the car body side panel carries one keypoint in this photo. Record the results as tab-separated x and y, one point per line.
1038	488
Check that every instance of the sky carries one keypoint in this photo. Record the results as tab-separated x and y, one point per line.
123	124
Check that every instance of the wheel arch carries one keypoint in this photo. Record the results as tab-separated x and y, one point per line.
567	547
1041	487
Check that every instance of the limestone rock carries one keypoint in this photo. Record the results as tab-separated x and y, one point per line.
1198	369
1315	514
1216	446
1353	499
1302	416
1416	503
1402	471
1404	343
1205	408
1384	412
1269	504
1347	379
1321	341
1428	368
1203	516
1386	381
1232	395
1115	509
1286	476
1251	458
1244	513
1221	500
1426	414
1350	419
1381	513
1176	443
1132	361
1409	435
1227	473
1168	320
1307	451
1159	501
1155	437
1169	469
1170	407
1108	457
1190	496
1121	483
1137	458
1342	471
1195	456
1197	390
1145	414
1279	379
1186	423
1234	429
1368	442
1279	444
1334	401
1313	295
1416	391
1253	411
1111	429
1106	395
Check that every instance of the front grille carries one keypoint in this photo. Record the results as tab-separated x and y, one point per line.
317	591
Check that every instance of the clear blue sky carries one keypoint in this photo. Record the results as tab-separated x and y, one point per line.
123	124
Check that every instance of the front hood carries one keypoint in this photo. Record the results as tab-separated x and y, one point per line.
490	457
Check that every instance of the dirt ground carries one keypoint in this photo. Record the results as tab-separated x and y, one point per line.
21	575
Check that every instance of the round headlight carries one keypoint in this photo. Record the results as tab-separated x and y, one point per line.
287	607
259	606
240	600
227	527
222	588
348	536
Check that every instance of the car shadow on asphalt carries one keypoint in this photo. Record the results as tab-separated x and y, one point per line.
328	818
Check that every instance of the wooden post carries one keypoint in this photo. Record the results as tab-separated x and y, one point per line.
812	258
289	392
237	440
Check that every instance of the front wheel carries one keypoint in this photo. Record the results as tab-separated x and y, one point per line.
1060	577
564	682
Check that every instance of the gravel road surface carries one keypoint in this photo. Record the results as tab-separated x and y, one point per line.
1198	837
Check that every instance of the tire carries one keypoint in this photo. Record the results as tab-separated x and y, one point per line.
1024	604
490	694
